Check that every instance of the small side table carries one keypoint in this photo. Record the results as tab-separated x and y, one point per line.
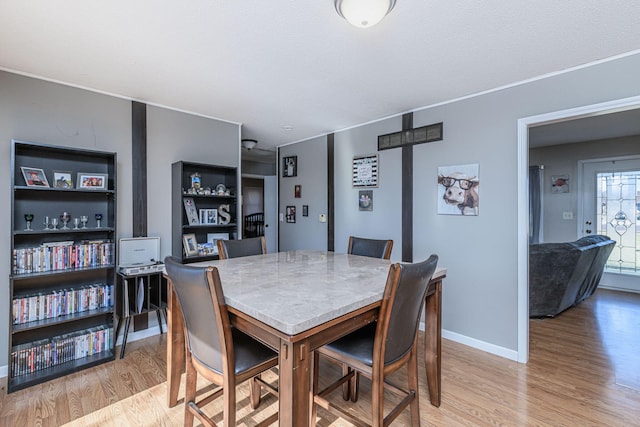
139	294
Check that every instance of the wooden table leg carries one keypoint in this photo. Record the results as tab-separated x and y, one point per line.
175	346
432	342
294	383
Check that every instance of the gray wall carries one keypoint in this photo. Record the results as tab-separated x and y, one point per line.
307	232
480	294
563	160
42	112
384	221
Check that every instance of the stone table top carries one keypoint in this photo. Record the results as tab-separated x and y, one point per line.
294	291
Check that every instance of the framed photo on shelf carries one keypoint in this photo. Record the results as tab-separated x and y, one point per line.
208	216
190	244
214	237
92	181
62	179
190	210
289	166
34	177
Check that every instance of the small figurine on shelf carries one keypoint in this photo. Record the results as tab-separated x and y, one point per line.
98	220
83	220
196	181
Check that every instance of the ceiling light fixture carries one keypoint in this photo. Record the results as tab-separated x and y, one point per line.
364	13
248	144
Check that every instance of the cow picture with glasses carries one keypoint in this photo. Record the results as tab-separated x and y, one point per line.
458	190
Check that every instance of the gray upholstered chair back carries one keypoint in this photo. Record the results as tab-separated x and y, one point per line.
201	306
240	248
373	248
406	296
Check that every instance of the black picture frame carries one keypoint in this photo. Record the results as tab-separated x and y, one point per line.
305	210
291	214
289	166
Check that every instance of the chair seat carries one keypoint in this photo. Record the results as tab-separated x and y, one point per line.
357	345
249	352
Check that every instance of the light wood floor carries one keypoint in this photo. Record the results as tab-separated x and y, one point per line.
584	370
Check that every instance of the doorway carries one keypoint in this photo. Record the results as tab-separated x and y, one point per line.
524	125
259	210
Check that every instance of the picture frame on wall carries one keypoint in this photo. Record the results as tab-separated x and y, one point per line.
297	191
291	214
365	171
560	184
92	181
365	200
289	166
458	190
34	177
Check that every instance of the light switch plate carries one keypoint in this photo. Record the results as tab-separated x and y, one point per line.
323	217
567	215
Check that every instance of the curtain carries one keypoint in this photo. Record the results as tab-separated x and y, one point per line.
535	202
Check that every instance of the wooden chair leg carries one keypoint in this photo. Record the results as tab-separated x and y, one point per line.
377	400
346	386
229	401
355	386
254	393
190	392
412	377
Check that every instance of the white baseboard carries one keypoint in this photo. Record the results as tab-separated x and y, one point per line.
480	345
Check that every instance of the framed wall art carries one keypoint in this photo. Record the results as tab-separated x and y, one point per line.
289	166
365	200
291	214
365	171
458	190
560	184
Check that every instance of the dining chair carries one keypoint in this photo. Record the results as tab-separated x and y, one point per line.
370	247
216	350
381	348
374	248
242	247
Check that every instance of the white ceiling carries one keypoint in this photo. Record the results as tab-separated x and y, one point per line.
278	63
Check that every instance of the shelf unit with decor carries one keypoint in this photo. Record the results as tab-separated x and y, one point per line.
203	191
62	283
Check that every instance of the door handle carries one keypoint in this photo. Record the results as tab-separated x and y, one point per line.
588	222
588	231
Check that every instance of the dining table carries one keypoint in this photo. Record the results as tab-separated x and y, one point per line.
296	301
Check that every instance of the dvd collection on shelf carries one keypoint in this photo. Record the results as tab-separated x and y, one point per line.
49	352
61	302
62	256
